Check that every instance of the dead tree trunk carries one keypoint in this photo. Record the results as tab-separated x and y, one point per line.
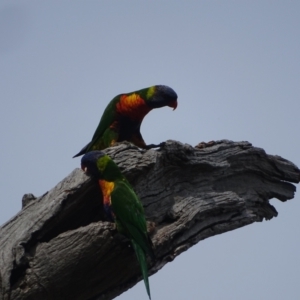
60	246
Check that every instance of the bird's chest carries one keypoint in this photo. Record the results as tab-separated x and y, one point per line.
107	187
133	107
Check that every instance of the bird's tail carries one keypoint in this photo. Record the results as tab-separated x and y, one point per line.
141	256
82	151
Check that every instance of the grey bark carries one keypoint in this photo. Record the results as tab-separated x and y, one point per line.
59	246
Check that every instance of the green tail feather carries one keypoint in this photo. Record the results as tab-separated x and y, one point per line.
143	264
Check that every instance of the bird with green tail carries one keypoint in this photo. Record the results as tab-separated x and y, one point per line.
121	205
123	116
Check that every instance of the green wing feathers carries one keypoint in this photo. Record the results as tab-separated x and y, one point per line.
130	216
131	222
143	265
106	120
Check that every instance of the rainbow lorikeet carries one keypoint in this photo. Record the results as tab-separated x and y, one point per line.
123	116
121	205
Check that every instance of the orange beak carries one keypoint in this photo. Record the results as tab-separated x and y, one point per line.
173	104
84	169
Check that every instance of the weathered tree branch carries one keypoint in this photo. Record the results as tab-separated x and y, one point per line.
60	247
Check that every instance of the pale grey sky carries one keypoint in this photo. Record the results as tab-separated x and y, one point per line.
236	68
